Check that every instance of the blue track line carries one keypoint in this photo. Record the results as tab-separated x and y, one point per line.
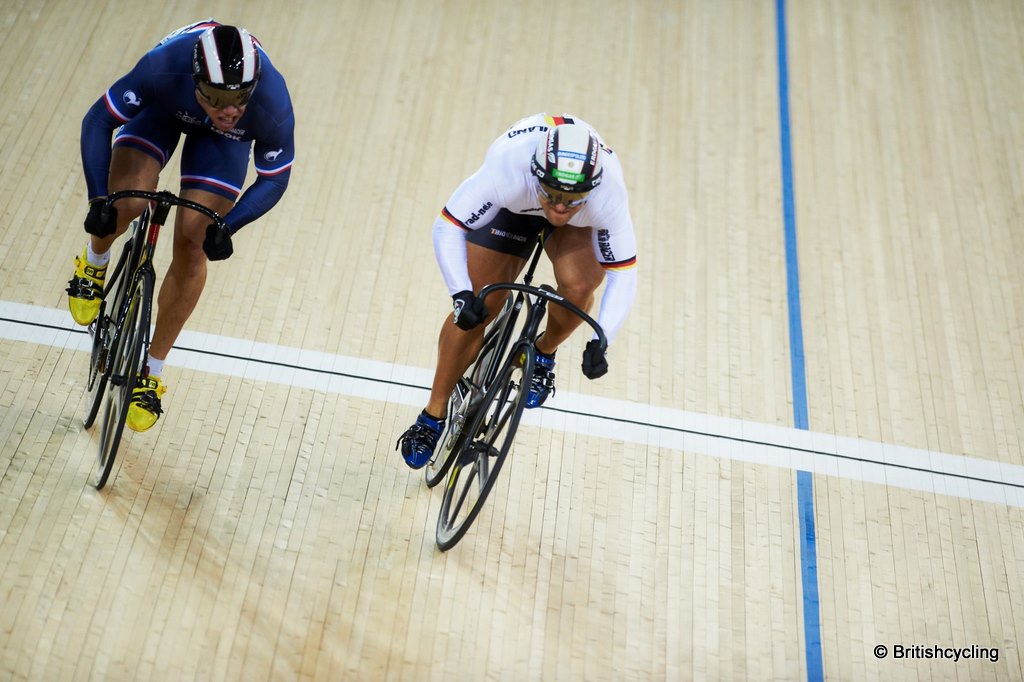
805	480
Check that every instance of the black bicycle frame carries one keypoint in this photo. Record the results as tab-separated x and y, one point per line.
497	339
140	255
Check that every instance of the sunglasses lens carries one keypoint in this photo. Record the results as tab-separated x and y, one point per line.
219	98
569	199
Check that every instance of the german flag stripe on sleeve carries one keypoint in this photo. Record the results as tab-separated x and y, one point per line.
452	219
620	265
553	121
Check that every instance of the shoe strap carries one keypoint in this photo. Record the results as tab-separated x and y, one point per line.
430	422
543	361
93	271
151	384
83	288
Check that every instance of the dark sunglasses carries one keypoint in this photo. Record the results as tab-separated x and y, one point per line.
219	98
554	196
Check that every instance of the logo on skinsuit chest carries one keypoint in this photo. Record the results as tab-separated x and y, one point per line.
513	133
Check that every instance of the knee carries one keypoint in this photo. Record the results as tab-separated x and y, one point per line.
128	210
189	233
189	260
495	303
581	286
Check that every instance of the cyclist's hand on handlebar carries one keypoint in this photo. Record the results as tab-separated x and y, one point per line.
595	364
217	244
469	310
101	221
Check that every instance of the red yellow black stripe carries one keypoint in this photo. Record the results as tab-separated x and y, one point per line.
553	121
452	219
620	265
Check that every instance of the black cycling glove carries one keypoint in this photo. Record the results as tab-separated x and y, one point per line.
217	244
595	364
469	310
101	221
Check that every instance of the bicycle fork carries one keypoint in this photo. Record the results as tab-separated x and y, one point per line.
160	210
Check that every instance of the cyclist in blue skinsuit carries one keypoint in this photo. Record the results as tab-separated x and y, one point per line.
215	85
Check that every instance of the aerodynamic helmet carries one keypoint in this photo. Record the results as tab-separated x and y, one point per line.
225	66
568	159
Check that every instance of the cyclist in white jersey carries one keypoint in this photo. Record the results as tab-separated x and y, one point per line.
549	175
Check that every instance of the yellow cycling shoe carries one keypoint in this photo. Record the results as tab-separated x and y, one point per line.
144	409
85	290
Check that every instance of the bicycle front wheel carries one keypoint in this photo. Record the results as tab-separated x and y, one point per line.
126	358
484	447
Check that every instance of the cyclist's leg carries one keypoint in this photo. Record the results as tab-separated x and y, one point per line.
212	172
129	169
577	276
185	279
456	349
496	252
141	147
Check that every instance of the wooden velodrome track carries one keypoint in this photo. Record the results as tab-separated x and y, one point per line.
809	445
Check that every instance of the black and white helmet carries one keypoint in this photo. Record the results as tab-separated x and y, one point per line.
226	65
568	159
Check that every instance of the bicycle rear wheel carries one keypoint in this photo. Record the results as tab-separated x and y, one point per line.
103	327
484	447
97	382
126	359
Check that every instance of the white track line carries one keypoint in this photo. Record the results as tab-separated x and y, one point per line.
851	458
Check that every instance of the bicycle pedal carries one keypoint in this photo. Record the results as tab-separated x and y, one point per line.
478	449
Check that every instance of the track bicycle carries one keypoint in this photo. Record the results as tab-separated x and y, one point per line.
487	403
121	331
